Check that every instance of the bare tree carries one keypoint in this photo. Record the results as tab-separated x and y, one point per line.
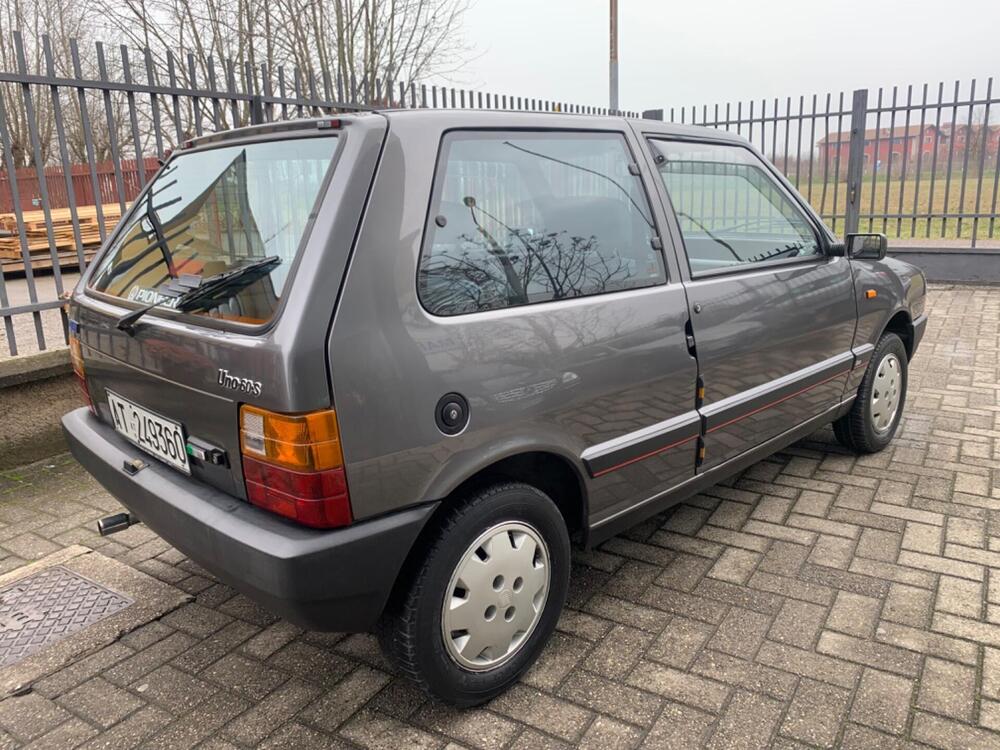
56	23
355	42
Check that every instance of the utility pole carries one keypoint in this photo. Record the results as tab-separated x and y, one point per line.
613	71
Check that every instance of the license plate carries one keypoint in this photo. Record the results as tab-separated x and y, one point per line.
160	437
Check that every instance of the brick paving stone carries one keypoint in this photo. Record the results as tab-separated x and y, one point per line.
880	656
819	599
882	701
989	714
604	696
959	597
951	735
679	728
741	632
607	734
295	735
546	713
171	689
258	721
680	686
565	652
100	702
748	722
947	689
933	644
908	605
798	624
680	642
747	674
475	727
784	558
854	614
69	734
816	712
617	654
30	716
380	732
833	551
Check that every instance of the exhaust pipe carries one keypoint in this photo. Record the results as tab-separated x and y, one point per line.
115	523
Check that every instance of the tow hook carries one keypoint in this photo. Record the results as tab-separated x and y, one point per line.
115	523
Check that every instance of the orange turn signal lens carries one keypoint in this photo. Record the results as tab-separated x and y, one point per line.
303	442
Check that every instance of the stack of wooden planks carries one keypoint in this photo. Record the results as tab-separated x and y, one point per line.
62	229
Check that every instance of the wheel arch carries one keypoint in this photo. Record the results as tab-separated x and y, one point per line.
901	324
549	471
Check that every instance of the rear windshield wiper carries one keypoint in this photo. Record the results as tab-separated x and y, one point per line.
190	292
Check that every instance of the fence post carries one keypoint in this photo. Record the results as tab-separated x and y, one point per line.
256	110
856	160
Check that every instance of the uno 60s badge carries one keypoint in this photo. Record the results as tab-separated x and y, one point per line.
243	385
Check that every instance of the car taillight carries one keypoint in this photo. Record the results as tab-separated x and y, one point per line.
76	358
293	465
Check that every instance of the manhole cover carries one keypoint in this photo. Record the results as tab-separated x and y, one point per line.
48	606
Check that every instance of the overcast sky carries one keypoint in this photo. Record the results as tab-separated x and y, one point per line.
708	51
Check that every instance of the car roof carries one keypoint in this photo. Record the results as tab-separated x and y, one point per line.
447	119
463	118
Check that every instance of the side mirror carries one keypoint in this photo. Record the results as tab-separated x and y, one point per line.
866	246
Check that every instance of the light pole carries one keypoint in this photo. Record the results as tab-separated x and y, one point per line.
613	70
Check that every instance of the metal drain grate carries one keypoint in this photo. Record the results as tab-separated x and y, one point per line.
48	606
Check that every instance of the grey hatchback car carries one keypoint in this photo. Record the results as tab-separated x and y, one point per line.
378	372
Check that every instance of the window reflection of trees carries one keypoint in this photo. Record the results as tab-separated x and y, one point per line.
581	231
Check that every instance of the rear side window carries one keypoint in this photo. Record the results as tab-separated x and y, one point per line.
731	210
520	218
211	211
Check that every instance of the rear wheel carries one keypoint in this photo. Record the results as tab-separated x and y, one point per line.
485	597
874	417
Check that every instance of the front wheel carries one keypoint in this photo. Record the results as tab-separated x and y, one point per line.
480	606
874	417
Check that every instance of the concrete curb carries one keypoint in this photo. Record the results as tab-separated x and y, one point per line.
31	368
980	266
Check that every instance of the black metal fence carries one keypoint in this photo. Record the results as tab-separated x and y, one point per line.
919	163
81	128
77	147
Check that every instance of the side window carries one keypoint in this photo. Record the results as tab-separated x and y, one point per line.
519	218
730	209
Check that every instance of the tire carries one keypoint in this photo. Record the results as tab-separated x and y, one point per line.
869	427
425	642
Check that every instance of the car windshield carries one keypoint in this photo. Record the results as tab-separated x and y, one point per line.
212	211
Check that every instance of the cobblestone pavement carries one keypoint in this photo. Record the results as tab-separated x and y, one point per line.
817	600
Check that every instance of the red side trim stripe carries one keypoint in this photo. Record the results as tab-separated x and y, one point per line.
779	401
644	456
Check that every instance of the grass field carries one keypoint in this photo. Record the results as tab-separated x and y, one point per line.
928	202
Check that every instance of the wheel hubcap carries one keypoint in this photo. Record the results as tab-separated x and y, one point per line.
886	392
496	596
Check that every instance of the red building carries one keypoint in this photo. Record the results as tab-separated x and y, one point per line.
912	141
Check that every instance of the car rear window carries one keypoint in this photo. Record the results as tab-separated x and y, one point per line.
519	218
215	210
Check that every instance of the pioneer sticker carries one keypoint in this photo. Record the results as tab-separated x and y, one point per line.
151	297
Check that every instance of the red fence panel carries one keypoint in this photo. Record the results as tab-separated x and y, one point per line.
27	184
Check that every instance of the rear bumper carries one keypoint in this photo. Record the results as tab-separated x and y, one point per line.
322	580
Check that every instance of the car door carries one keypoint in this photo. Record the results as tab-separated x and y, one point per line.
542	295
772	315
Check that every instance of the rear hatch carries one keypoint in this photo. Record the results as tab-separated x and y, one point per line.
175	380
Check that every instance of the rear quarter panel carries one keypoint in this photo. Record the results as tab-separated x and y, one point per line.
556	377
